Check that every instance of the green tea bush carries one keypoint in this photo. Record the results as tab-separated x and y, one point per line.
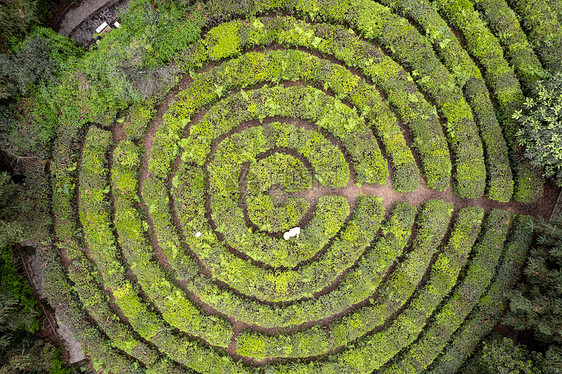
504	23
291	284
543	30
485	47
455	309
140	115
357	284
468	77
85	276
392	295
491	305
275	212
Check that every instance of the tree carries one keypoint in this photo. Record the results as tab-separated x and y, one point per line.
16	18
541	127
38	59
536	303
20	350
500	355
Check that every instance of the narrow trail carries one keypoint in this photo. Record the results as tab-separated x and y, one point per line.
542	208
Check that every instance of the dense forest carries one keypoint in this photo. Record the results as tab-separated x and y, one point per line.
282	186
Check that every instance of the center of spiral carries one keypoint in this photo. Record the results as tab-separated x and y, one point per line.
271	183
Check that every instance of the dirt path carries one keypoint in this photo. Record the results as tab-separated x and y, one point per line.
541	208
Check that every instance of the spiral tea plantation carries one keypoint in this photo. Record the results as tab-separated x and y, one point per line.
383	130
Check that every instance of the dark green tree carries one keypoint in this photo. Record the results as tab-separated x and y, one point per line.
16	18
541	127
500	355
536	303
20	350
37	60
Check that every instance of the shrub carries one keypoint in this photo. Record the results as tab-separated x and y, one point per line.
392	295
543	29
183	262
505	24
479	272
491	305
356	285
140	116
468	77
500	76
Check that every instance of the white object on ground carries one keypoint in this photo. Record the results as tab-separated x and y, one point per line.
101	27
117	24
198	234
295	231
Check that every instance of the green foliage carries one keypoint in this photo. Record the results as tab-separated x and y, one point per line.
503	356
131	61
20	308
85	277
17	17
162	30
428	136
140	115
178	310
491	305
39	59
222	41
503	21
277	209
412	50
20	350
373	351
267	284
500	76
534	305
13	207
433	220
95	218
21	218
172	242
356	285
467	76
543	29
300	102
458	305
541	127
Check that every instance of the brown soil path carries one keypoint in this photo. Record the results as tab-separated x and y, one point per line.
542	208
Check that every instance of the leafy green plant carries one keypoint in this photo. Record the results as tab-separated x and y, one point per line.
534	304
491	305
502	355
38	60
541	127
